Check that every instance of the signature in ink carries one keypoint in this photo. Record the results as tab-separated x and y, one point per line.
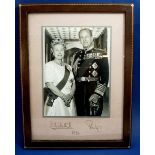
60	125
93	126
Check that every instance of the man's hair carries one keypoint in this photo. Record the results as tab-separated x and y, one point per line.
86	29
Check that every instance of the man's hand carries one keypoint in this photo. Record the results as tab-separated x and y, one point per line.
94	99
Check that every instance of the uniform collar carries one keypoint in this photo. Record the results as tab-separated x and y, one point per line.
90	48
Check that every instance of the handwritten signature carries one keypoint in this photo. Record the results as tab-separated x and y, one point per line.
60	125
93	126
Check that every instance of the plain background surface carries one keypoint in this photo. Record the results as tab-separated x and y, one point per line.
134	150
40	125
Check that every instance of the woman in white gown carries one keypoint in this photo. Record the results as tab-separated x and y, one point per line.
54	71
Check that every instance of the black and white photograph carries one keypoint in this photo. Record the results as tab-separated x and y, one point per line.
76	71
76	74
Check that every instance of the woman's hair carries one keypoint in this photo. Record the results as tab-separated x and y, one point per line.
56	42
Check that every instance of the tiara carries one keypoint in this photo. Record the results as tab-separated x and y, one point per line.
57	41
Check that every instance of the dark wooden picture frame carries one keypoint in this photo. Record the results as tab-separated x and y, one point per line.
127	10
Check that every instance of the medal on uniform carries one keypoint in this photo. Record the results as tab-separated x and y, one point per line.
94	73
94	65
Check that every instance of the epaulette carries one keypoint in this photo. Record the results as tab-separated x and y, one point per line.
77	51
76	54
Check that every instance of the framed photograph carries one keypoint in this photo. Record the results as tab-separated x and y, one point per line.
76	75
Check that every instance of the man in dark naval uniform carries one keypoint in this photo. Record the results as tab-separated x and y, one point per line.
91	70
